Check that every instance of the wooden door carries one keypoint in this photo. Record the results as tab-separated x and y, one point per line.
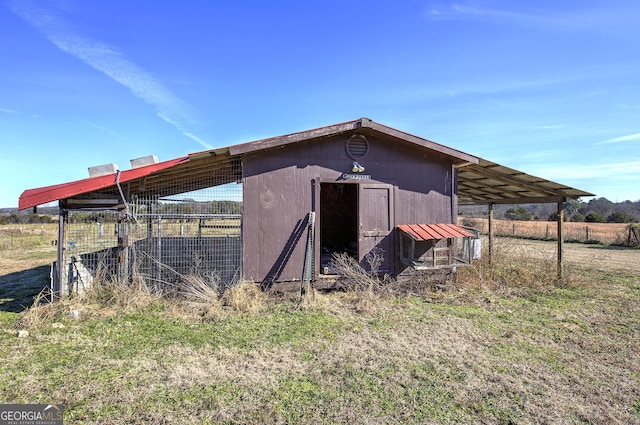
376	213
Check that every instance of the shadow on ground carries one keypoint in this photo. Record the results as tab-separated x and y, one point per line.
17	290
614	247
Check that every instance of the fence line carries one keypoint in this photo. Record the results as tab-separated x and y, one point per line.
602	233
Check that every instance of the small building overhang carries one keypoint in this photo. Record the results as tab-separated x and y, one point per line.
425	232
489	183
423	250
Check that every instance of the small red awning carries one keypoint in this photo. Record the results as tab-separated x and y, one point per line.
425	232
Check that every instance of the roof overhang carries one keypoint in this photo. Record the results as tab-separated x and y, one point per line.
479	181
489	183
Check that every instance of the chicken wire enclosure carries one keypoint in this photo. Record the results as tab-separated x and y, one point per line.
185	227
90	242
438	253
196	233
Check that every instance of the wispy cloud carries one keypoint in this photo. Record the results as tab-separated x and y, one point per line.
9	111
577	19
548	127
462	11
622	139
111	62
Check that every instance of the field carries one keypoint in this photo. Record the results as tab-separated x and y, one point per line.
594	233
508	345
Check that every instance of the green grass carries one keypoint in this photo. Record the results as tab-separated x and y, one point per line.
528	353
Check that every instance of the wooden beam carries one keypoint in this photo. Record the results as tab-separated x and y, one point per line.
530	186
490	213
56	290
516	201
489	193
560	238
278	141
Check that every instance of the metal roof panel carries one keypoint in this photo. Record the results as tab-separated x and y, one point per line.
425	232
42	195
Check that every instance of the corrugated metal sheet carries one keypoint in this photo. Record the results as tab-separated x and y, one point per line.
478	181
425	232
42	195
488	182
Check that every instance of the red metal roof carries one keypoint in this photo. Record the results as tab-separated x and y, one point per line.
42	195
425	232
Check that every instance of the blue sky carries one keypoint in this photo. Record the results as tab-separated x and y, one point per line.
551	88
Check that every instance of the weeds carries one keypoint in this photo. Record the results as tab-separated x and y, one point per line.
509	344
513	271
244	297
354	277
364	290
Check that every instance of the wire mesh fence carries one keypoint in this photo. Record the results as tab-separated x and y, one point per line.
161	236
603	233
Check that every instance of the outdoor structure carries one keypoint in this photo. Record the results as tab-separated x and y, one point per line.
276	210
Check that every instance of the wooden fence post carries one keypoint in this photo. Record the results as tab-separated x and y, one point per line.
587	234
490	214
560	237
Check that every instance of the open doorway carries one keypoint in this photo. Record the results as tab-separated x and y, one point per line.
338	222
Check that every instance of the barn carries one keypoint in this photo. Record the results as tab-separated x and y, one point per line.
276	211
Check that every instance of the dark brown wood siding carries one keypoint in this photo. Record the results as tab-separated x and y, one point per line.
279	192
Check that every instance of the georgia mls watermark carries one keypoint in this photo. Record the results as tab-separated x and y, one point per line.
31	414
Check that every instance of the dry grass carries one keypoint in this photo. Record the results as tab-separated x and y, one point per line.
603	233
509	344
25	246
514	271
195	299
557	355
365	291
353	277
244	297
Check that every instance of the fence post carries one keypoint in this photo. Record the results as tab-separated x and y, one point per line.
587	234
123	245
60	277
490	217
159	253
560	237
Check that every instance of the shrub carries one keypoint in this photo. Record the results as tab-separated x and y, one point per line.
518	213
620	217
593	217
577	218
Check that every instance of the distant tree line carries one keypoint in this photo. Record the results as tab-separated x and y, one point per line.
15	218
12	216
597	210
212	207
